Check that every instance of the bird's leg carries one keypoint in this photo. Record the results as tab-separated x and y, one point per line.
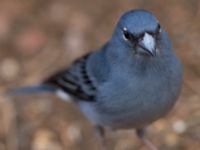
101	135
141	134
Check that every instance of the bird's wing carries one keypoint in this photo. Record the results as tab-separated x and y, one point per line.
75	81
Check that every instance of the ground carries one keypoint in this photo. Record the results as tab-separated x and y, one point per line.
39	37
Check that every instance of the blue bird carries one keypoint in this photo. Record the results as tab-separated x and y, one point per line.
134	79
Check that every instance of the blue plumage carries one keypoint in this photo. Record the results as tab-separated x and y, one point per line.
133	80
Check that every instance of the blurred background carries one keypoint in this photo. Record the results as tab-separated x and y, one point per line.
39	37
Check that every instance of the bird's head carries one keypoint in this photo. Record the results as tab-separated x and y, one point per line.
140	31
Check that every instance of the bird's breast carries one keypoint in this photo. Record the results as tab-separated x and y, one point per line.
135	101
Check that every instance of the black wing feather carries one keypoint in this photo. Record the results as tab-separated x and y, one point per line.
75	81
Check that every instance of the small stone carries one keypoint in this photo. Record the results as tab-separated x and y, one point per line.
9	68
44	140
160	125
179	126
171	139
74	133
30	41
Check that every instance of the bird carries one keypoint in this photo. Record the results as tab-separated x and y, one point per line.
134	79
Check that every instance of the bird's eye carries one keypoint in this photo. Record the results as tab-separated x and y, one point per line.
127	35
156	33
158	30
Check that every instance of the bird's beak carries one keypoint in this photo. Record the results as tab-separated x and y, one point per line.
148	44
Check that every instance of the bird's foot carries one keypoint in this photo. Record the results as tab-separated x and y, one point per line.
101	136
145	140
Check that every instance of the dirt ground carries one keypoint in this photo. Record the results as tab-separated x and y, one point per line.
39	37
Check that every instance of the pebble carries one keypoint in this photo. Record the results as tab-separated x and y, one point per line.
30	41
74	133
171	139
179	126
9	69
44	140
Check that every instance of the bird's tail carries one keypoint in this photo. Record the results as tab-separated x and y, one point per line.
36	89
39	89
